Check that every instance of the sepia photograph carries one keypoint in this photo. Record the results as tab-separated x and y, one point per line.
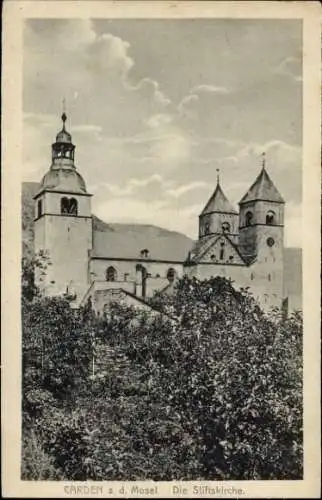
161	261
161	252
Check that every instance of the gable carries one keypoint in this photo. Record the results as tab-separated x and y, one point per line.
221	251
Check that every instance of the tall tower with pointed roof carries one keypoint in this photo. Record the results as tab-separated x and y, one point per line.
63	221
218	216
261	236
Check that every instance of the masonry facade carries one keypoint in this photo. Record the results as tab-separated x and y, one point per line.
245	245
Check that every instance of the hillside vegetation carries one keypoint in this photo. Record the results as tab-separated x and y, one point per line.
214	395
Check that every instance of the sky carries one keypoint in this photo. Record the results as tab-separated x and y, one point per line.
155	107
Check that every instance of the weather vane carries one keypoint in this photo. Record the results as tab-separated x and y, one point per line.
218	171
263	159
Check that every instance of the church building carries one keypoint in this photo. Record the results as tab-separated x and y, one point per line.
246	246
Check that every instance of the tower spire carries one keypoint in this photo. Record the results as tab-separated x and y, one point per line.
63	149
64	116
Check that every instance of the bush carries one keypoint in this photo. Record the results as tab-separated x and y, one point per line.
36	465
214	394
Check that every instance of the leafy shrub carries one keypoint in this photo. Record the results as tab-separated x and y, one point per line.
214	394
36	465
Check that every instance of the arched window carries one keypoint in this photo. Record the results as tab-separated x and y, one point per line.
68	206
39	208
213	257
270	218
171	274
248	218
252	276
207	228
64	204
111	274
226	227
73	206
144	253
269	277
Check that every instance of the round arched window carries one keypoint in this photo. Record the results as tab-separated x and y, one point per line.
270	218
171	274
248	218
68	206
270	242
111	274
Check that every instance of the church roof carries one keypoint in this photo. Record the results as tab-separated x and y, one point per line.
262	189
63	176
64	179
63	135
218	203
126	241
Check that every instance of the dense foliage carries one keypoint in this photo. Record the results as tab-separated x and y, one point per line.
208	388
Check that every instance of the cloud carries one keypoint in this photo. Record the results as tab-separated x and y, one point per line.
87	128
152	187
137	187
159	120
108	52
187	107
186	188
150	89
95	77
40	120
155	193
37	139
212	89
290	67
149	132
283	162
171	150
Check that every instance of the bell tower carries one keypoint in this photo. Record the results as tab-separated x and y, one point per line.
218	216
261	236
63	222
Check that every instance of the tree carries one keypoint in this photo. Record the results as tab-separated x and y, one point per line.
29	266
211	388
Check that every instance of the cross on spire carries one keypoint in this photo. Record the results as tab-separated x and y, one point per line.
218	172
263	159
